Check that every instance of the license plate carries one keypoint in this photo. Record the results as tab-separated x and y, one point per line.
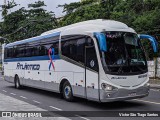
132	94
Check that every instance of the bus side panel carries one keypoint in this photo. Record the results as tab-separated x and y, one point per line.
51	82
92	85
8	73
38	78
35	78
73	73
79	84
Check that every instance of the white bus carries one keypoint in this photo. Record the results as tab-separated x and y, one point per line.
99	60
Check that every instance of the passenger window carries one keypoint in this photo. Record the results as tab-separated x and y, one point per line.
32	49
73	48
5	53
9	52
18	51
80	49
46	46
66	48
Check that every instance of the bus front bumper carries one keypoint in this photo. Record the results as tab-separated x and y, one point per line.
123	94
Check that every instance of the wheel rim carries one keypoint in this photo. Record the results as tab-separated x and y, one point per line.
67	91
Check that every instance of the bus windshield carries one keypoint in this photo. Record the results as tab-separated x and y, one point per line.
124	54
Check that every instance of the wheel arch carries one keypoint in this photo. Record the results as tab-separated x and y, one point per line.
62	81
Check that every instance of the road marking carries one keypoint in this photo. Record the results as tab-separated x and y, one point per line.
55	108
36	101
12	94
4	91
23	97
147	101
82	117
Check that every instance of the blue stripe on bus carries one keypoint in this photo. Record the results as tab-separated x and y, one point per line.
36	58
33	39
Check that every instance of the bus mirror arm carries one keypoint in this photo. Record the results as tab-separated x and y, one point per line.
153	41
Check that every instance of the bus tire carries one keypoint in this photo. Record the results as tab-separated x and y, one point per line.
17	82
67	92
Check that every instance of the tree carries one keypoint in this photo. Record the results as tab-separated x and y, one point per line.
22	24
142	15
10	23
39	20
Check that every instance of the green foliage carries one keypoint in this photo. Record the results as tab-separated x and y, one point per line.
9	5
22	24
37	4
142	15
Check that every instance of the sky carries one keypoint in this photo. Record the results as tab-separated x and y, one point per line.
51	5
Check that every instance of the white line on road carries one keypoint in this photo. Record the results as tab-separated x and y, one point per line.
55	108
36	101
4	91
147	101
82	117
23	97
12	94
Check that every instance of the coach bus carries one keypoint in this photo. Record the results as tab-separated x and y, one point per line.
99	60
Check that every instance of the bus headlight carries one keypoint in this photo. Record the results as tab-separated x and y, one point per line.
108	87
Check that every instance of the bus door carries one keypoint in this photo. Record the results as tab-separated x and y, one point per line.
91	71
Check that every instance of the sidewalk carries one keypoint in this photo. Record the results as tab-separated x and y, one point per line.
154	83
11	104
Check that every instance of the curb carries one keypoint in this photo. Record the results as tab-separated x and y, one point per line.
154	86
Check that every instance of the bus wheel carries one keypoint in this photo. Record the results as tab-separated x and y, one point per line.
67	91
17	82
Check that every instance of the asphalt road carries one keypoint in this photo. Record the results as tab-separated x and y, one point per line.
53	102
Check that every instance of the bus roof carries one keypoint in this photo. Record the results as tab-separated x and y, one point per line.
37	38
91	26
97	25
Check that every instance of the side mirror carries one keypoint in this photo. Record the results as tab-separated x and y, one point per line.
153	41
102	41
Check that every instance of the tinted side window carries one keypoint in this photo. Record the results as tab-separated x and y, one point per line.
32	49
65	48
19	51
73	47
81	49
9	52
46	44
5	53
